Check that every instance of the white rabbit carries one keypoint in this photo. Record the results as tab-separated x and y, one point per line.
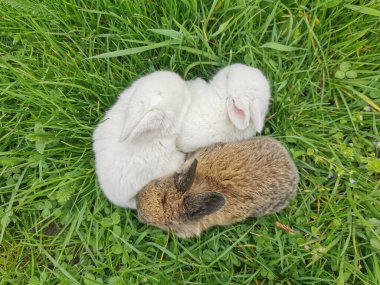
135	143
231	107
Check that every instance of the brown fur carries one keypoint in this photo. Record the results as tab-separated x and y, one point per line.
231	182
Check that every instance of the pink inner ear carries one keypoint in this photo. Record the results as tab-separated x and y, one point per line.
238	111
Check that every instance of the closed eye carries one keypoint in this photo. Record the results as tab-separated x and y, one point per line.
164	200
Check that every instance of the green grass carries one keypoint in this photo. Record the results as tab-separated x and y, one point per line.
63	63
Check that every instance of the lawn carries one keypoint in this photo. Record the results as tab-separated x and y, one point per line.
63	64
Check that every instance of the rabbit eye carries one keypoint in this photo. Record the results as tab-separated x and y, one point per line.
164	199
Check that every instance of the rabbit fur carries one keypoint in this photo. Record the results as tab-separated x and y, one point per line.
220	185
231	107
135	143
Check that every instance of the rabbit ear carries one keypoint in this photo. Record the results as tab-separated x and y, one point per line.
257	115
184	180
151	125
238	111
203	204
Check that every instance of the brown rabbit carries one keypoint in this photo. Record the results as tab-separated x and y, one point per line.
220	185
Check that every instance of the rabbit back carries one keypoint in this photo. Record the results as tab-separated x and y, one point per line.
257	177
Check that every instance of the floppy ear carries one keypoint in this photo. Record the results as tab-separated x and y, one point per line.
184	180
203	204
152	124
238	111
257	115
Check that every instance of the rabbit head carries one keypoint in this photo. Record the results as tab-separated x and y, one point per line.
247	92
152	109
135	143
170	204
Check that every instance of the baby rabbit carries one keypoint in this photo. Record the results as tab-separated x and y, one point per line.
231	107
220	185
136	141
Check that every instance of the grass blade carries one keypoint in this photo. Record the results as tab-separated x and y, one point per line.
136	50
363	10
279	47
168	33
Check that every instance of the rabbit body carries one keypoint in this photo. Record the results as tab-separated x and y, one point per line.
231	107
220	185
135	143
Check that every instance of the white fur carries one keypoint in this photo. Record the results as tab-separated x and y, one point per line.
135	143
231	107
